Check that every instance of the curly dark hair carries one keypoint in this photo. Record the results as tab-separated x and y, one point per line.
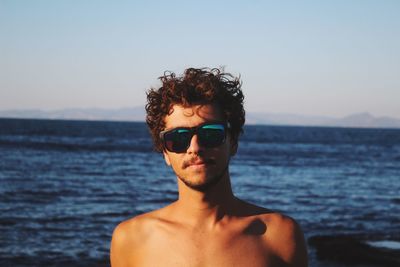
196	86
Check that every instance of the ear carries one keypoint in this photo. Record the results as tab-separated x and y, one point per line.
233	143
166	158
234	148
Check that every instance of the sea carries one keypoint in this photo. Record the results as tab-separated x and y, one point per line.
65	185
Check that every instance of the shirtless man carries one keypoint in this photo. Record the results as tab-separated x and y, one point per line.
195	121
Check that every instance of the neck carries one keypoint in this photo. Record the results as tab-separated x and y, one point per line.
208	207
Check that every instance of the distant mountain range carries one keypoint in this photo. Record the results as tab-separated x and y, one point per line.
122	114
362	120
138	114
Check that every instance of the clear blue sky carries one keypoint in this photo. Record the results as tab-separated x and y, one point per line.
305	57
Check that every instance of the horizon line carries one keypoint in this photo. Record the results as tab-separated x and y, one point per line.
251	112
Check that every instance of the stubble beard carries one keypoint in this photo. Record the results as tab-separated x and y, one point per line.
209	183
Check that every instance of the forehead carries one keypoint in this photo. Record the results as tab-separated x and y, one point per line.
181	116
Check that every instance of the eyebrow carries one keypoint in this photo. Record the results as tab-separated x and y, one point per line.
205	122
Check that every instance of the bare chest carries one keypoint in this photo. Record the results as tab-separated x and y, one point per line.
204	250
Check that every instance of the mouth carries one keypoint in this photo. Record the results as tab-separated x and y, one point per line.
201	162
198	163
198	167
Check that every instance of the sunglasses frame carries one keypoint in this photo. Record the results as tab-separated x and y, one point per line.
193	131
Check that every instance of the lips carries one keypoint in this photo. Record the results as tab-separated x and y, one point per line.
197	162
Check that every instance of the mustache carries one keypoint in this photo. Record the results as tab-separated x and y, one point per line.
195	160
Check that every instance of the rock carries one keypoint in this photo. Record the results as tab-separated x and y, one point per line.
354	250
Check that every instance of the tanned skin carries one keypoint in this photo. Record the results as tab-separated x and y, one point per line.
207	225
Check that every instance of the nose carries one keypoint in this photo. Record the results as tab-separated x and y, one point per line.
195	146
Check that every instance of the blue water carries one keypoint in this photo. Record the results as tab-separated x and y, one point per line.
64	185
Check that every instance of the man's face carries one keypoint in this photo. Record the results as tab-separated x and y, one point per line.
198	167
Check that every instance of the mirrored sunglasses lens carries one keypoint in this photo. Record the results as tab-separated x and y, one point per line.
212	135
177	140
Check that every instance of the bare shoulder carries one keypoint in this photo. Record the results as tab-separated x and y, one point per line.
130	230
126	235
129	238
285	237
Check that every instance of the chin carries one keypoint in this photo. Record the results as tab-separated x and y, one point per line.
203	180
202	184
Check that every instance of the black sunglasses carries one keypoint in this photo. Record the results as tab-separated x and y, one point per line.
209	134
